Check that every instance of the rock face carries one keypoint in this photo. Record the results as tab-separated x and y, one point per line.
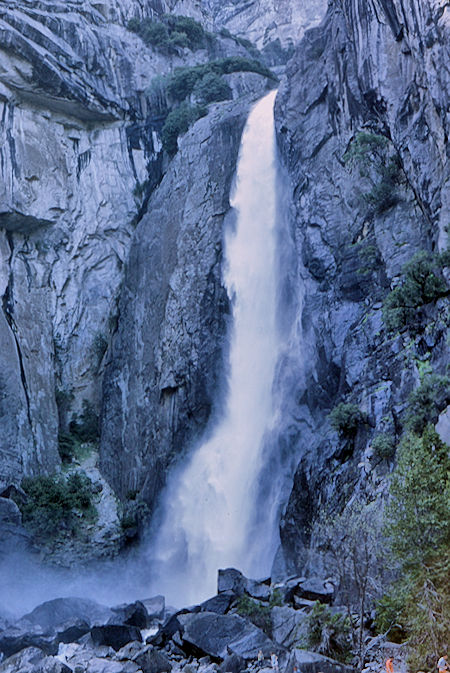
372	67
79	156
264	21
167	353
71	154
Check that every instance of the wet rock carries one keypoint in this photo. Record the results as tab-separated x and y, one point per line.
230	579
233	581
155	607
72	630
22	661
16	638
150	660
115	635
134	614
54	613
220	603
173	310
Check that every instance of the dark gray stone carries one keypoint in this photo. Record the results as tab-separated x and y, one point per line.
230	579
16	638
220	603
134	614
115	635
151	660
219	635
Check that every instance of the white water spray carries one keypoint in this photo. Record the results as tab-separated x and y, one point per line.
209	502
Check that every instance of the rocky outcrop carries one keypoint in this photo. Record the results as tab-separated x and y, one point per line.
167	354
263	22
375	68
80	154
71	155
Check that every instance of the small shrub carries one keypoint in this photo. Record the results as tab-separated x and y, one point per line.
370	151
177	122
170	33
211	88
68	447
328	633
257	613
384	446
346	419
422	284
56	506
276	599
365	147
426	401
192	31
383	196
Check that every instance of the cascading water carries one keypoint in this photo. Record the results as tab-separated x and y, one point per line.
209	502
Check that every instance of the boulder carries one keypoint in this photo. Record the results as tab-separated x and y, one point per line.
311	662
72	630
150	660
54	613
233	664
220	635
17	638
33	660
115	635
258	589
155	607
312	589
233	581
287	625
219	604
230	579
316	590
24	660
134	614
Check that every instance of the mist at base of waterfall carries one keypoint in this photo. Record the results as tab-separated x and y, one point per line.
207	518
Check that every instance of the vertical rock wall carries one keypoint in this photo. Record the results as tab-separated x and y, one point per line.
379	68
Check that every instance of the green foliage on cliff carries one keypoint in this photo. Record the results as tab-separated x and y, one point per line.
177	122
256	612
422	283
183	80
211	88
170	32
425	402
383	446
56	506
346	419
328	633
373	156
418	515
417	605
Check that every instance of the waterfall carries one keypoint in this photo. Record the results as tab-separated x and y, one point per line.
208	505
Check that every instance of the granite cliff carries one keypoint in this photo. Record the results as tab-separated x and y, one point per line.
111	249
362	119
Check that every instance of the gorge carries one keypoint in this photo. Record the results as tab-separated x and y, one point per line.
120	308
